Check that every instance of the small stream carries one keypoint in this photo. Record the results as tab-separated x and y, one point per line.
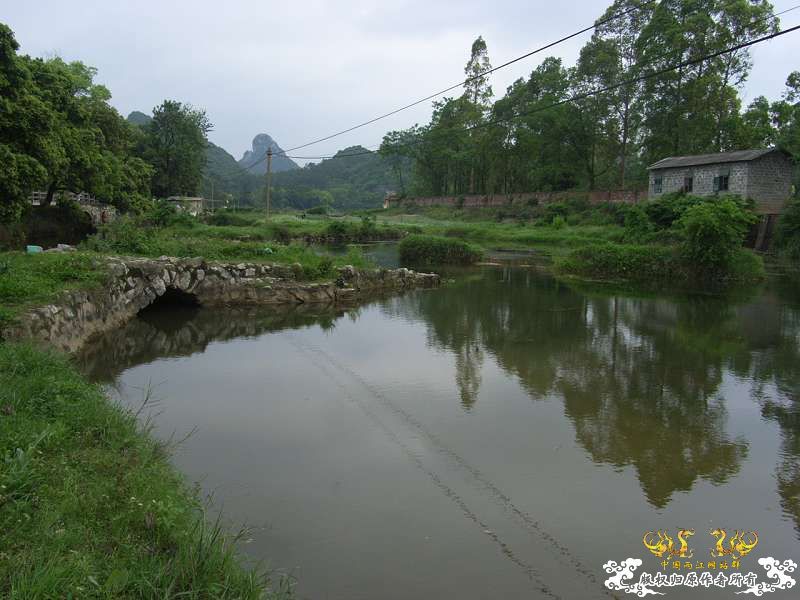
500	437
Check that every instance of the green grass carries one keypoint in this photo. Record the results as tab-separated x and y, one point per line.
89	504
126	237
653	263
28	280
434	250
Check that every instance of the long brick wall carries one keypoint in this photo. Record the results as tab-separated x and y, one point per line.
499	200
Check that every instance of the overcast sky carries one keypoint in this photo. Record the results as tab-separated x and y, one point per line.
299	70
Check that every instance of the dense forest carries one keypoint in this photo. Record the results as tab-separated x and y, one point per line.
59	133
354	178
640	90
551	131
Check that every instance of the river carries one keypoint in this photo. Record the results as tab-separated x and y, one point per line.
501	437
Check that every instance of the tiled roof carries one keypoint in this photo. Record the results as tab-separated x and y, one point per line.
710	159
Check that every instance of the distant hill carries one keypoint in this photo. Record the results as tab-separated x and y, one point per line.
255	160
139	118
350	180
228	177
345	182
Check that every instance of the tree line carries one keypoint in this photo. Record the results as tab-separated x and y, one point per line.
59	133
551	132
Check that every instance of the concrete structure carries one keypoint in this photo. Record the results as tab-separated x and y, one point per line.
763	175
192	205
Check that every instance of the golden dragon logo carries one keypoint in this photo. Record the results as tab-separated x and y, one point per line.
663	546
740	543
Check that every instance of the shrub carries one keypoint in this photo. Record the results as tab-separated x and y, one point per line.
713	233
638	226
281	233
787	232
320	209
433	250
559	222
229	219
337	230
622	261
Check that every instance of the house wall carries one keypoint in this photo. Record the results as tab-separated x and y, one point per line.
770	182
767	180
703	179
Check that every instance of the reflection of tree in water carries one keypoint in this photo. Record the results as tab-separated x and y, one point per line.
642	393
469	360
637	376
772	329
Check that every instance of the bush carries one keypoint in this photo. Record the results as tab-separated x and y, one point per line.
713	233
622	261
337	231
434	250
787	232
638	226
320	209
229	219
559	222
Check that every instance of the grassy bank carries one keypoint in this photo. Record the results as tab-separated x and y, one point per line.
650	263
89	504
426	250
32	280
677	238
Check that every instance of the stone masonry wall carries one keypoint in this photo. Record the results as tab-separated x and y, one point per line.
135	283
767	180
770	182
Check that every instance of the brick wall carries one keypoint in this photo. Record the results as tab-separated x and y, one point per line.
770	182
499	200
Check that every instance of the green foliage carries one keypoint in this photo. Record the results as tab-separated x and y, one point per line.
229	219
638	226
622	262
654	264
175	144
787	232
435	250
90	506
714	232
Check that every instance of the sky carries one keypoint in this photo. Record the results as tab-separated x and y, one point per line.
300	70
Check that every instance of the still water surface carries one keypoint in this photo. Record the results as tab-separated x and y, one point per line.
501	437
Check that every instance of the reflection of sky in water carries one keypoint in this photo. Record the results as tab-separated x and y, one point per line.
481	440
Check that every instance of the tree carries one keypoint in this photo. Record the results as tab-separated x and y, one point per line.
621	34
22	120
175	146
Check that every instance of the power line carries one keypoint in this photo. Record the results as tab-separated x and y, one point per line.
285	154
594	92
475	77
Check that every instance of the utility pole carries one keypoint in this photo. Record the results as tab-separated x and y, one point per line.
212	195
269	179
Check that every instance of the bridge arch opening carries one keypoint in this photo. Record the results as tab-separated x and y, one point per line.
172	298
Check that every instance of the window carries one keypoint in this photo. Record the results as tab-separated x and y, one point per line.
688	183
657	184
722	180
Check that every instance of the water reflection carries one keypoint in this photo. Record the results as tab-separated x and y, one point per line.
639	378
176	331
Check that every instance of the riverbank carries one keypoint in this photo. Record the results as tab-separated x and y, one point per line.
122	286
672	240
90	506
